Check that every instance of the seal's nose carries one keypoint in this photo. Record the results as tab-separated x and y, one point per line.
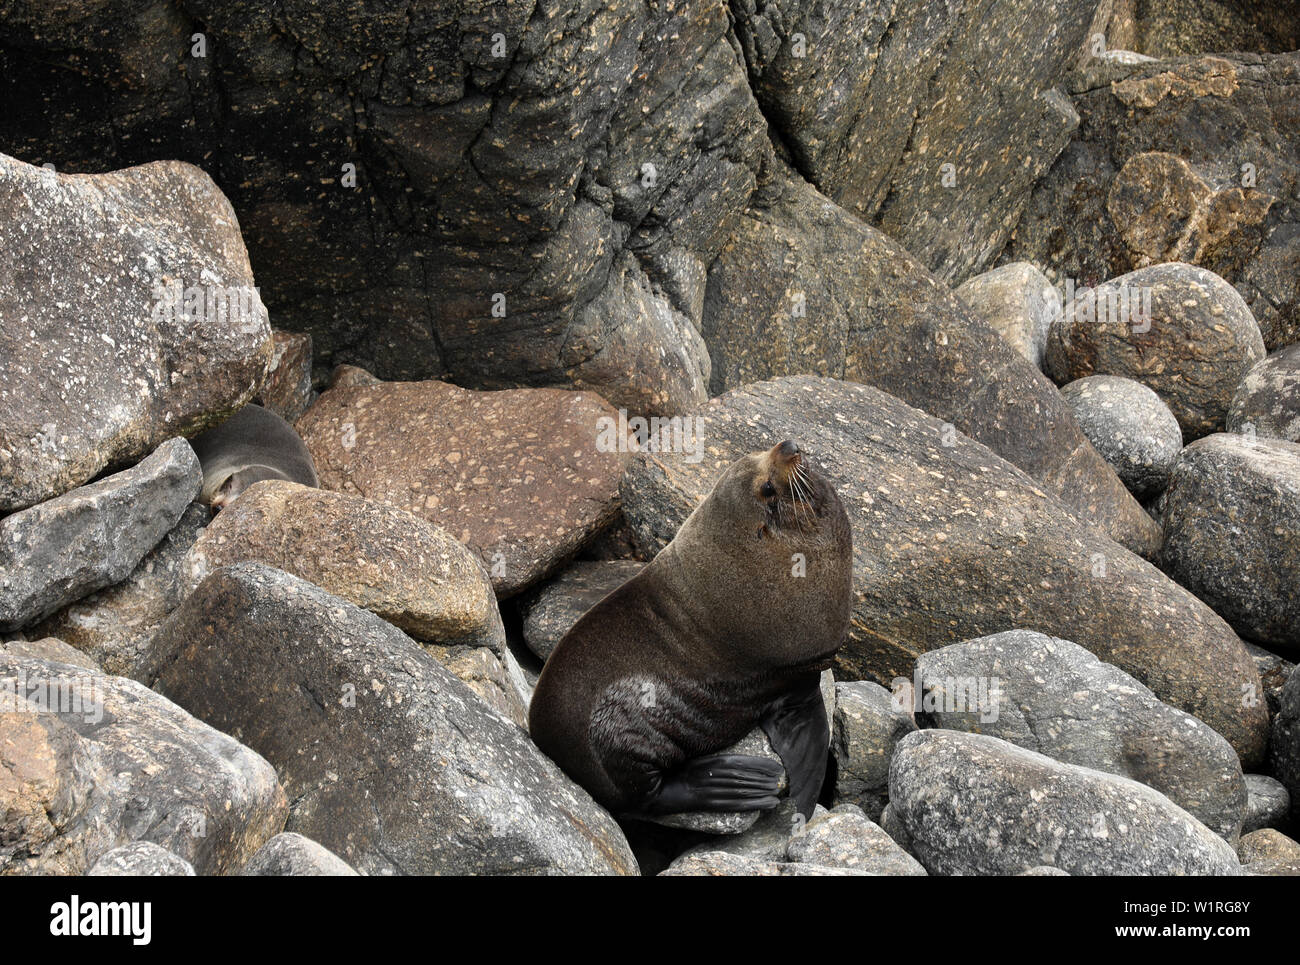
787	451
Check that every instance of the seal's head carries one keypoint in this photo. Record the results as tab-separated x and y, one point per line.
237	482
781	495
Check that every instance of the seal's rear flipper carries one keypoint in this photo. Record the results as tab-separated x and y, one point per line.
796	726
719	782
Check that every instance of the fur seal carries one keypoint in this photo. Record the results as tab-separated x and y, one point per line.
718	634
252	445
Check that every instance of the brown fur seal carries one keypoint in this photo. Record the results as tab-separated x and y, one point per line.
717	635
252	445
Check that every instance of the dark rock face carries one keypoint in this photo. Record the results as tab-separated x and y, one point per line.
951	543
1172	28
519	476
90	762
1181	331
130	318
804	287
1187	160
1232	532
61	550
584	163
1054	697
389	761
874	98
1267	402
973	804
515	194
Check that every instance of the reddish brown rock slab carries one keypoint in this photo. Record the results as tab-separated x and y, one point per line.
516	475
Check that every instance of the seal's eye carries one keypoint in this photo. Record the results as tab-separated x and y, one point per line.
768	490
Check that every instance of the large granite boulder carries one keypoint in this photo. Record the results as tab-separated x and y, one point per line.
61	550
1181	331
131	318
972	804
803	287
1232	532
1194	160
389	761
113	626
90	762
518	476
1054	697
385	560
951	542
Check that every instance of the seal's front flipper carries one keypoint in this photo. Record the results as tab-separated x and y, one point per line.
796	726
719	782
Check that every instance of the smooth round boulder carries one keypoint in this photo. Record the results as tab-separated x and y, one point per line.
1130	426
1180	330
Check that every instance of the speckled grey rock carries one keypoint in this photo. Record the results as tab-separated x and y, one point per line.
1054	697
765	839
1232	532
119	763
1267	803
1267	402
550	612
1044	871
97	366
92	537
846	838
287	390
1130	426
388	561
141	859
485	672
389	760
291	854
50	649
1273	673
1019	304
973	804
113	625
1284	748
868	725
1180	330
917	506
723	864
